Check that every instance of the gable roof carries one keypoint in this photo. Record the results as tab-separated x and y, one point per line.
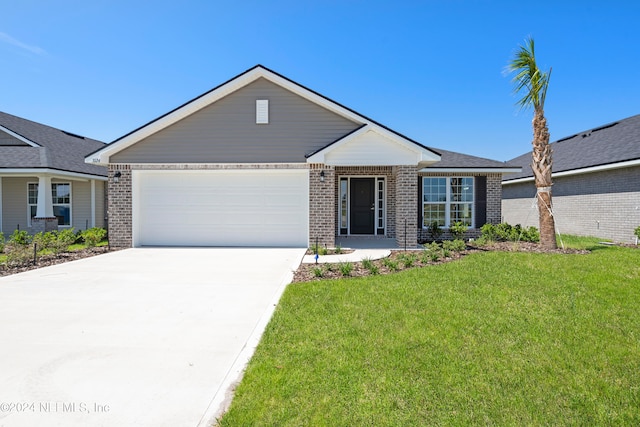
609	146
39	146
102	155
451	161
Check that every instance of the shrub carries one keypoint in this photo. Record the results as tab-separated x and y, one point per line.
318	272
637	232
18	254
64	238
390	264
20	237
367	263
454	245
44	240
504	232
1	242
93	236
346	268
434	230
458	229
374	270
408	260
338	250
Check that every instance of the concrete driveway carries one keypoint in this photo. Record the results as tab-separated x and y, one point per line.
139	337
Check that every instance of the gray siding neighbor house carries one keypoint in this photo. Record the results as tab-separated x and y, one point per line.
264	161
35	156
596	183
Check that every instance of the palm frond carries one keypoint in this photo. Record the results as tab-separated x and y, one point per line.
528	79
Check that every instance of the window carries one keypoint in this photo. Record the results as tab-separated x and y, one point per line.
447	200
60	198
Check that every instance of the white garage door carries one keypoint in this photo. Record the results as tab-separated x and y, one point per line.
221	208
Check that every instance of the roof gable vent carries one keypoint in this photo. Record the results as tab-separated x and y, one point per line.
262	111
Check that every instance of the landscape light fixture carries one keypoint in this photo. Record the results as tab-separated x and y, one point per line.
116	176
322	176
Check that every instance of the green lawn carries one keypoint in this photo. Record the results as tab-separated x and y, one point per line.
494	339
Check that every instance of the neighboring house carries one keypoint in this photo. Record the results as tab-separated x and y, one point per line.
596	183
34	156
263	161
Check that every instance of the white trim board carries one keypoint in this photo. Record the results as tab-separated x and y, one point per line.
601	168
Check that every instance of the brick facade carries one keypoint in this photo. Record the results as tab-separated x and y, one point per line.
322	205
120	207
601	204
406	202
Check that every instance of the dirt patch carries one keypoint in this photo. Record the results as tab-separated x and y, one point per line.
48	260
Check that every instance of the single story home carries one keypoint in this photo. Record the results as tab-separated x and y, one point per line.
35	156
596	183
263	161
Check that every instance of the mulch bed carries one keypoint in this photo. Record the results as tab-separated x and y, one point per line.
315	272
48	260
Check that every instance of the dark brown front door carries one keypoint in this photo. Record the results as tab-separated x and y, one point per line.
362	205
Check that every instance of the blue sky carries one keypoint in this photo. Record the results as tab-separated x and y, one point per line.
432	70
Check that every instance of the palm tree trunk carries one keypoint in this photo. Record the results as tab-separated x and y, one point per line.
541	166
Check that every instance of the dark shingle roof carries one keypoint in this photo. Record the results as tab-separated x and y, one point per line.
451	159
608	144
57	149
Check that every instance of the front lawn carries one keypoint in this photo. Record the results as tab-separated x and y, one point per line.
496	338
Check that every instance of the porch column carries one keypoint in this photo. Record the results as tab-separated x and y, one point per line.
322	205
1	229
406	206
44	220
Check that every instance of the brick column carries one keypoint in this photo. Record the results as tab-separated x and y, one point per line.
120	208
494	198
322	205
406	178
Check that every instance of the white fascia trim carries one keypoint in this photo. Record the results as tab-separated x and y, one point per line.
472	170
20	137
102	156
53	172
592	169
423	155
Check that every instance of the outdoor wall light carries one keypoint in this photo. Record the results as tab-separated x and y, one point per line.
322	176
116	176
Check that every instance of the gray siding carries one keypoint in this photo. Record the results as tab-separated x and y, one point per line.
226	131
604	204
14	203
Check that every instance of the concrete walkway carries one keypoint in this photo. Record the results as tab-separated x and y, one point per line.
139	337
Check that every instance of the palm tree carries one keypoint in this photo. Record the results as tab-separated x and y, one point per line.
533	83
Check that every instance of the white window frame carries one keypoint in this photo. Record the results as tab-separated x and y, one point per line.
449	202
69	205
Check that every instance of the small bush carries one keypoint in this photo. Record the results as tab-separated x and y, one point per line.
454	245
93	236
390	264
408	260
637	232
374	270
504	232
44	241
458	229
434	230
367	263
338	250
1	242
18	254
64	238
318	271
346	268
20	237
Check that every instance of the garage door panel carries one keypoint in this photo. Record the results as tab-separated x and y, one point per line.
221	208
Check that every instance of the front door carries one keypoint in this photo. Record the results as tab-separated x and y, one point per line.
362	206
